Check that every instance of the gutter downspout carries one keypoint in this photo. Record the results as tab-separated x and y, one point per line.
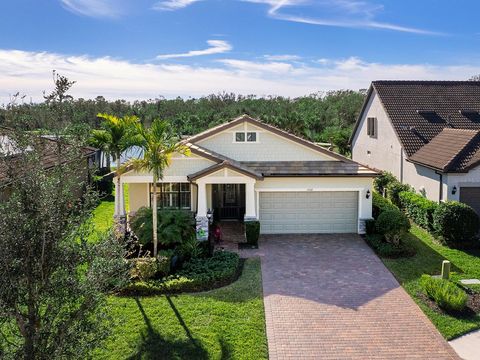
401	165
440	192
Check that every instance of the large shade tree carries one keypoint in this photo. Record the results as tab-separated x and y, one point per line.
54	276
158	143
116	136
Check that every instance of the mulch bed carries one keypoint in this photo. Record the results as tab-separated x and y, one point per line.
472	308
247	246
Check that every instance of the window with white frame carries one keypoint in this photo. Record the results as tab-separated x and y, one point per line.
372	127
172	195
246	136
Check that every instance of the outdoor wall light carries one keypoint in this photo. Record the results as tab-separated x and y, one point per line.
454	190
209	215
368	194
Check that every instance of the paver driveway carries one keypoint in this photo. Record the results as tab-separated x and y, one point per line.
330	297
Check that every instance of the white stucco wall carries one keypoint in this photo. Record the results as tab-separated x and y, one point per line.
269	146
470	179
420	178
360	184
383	152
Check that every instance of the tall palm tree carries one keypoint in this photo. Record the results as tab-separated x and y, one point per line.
116	136
158	144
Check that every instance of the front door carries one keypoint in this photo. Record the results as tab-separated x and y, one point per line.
228	201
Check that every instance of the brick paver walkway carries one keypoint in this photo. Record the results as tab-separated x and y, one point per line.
330	297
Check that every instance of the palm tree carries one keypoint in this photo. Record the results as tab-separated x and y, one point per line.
158	144
116	136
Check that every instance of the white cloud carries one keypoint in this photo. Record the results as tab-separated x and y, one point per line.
95	8
338	13
30	73
169	5
216	47
284	57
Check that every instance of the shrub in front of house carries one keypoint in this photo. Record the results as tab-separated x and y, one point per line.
174	226
393	191
381	182
380	204
446	294
388	250
252	232
418	208
392	224
143	268
198	274
455	224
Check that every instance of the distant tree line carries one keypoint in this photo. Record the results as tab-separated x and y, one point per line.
322	117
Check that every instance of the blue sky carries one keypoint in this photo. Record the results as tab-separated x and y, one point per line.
140	49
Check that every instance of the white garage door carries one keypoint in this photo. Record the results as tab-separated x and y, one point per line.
308	212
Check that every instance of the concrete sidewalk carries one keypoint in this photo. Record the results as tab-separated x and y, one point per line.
468	346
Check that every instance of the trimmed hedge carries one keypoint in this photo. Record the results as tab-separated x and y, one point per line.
380	204
456	224
381	182
252	232
387	250
394	189
445	293
197	275
392	224
418	208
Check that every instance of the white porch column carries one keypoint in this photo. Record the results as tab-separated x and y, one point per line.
119	199
202	199
201	218
250	210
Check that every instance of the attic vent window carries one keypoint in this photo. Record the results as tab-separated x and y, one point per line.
372	127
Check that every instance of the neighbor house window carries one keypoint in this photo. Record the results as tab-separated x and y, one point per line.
251	136
172	195
240	137
248	136
372	127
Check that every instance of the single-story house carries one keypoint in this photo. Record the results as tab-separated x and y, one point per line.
426	133
245	169
47	148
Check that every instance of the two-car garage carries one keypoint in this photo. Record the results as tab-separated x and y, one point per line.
289	212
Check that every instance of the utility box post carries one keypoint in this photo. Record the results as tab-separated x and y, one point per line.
446	269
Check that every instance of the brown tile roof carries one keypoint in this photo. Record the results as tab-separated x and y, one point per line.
420	110
453	150
308	168
46	146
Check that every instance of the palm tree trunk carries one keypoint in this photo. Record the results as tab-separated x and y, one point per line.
154	216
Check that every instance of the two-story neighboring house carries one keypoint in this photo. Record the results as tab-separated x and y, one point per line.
426	133
246	169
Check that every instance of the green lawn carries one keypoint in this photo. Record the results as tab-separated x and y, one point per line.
103	213
428	260
227	323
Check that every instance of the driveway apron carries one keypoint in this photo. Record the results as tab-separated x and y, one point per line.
330	297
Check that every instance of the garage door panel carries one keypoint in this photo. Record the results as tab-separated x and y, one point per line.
308	212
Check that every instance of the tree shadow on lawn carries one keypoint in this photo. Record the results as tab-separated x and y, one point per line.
426	261
154	346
